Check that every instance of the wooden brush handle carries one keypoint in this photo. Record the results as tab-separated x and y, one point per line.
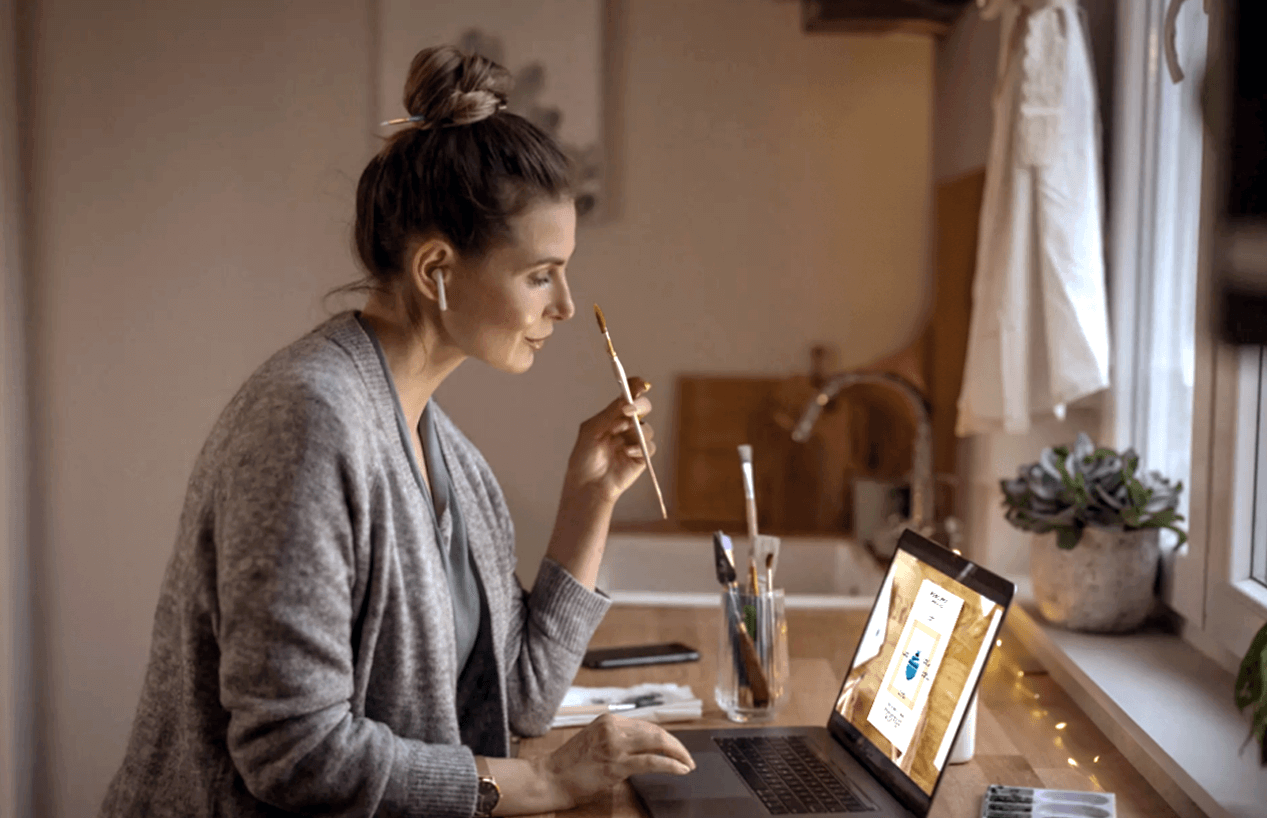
751	660
752	664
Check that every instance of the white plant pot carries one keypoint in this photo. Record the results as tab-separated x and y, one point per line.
1104	584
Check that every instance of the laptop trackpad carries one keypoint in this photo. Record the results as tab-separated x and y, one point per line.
711	788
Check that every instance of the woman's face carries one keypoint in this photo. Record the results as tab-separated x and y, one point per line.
504	306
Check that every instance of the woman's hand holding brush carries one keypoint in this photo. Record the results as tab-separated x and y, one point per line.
612	449
607	457
605	461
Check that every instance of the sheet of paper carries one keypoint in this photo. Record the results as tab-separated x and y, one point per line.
678	703
903	693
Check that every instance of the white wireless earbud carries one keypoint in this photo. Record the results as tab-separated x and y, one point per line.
439	277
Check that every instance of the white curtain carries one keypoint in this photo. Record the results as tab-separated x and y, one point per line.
1154	233
1039	336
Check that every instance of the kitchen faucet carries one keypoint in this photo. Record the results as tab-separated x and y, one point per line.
922	512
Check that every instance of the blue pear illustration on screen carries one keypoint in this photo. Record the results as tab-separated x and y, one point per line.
912	665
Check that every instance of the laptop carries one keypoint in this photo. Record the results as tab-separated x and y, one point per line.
884	748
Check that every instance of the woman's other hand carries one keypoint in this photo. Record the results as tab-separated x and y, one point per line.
609	750
607	458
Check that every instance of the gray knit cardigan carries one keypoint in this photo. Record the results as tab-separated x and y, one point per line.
303	659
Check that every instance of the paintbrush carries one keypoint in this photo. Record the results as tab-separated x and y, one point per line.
750	508
751	671
724	559
623	380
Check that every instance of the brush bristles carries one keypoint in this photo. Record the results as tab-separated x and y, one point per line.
602	324
745	453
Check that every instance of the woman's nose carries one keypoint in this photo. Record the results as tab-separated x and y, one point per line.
562	305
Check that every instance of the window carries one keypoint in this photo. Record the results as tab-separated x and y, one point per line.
1156	207
1233	516
1255	382
1195	409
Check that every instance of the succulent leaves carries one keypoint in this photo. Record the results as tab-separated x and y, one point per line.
1071	487
1251	690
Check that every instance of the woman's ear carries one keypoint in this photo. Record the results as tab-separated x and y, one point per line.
431	269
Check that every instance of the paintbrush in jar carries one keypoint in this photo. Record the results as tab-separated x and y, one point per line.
750	509
623	380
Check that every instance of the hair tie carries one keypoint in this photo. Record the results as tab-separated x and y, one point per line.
405	120
490	101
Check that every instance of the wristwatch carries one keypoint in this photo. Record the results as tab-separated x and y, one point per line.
488	794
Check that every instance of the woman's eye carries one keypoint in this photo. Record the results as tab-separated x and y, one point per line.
539	280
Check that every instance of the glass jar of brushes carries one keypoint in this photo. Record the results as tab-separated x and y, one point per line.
752	660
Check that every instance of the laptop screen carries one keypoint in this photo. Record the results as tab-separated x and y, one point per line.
919	659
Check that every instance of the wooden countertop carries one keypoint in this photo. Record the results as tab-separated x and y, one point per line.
1029	732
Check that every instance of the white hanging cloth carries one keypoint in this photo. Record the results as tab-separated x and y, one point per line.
1039	334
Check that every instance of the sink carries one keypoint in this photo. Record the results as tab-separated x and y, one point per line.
677	569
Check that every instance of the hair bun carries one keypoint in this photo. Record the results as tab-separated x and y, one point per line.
446	86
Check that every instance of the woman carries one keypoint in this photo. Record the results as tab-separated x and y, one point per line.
340	629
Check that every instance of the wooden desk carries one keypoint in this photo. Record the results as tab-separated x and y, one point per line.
1029	733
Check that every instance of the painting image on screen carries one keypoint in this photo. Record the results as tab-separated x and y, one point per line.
916	665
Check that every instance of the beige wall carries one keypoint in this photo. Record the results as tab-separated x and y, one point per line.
193	171
964	72
193	178
772	191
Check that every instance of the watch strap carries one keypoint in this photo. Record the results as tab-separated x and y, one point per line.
488	793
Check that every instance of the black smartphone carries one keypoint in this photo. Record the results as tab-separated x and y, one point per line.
630	655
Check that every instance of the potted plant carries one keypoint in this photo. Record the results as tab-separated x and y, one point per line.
1251	689
1097	516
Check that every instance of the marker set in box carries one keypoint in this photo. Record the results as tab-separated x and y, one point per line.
1022	802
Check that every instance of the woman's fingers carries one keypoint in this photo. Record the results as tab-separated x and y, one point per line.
616	417
608	452
636	451
609	750
653	740
635	739
648	763
631	435
639	386
641	406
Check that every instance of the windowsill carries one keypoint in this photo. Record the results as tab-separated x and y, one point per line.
1184	735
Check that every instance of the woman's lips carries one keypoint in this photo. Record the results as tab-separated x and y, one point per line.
536	343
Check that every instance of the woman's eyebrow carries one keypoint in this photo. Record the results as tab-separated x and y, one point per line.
559	262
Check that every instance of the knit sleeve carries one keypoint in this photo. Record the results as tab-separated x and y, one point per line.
547	640
286	569
549	630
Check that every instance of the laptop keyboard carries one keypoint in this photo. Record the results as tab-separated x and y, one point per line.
788	777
